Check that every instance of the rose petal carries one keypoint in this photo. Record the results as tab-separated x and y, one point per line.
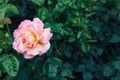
38	26
28	56
35	51
44	49
24	24
46	36
19	46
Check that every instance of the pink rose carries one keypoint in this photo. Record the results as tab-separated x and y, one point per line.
30	39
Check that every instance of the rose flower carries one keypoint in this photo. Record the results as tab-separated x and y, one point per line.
31	39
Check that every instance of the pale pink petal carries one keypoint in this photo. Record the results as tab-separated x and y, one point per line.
35	50
28	56
46	36
19	46
23	27
16	33
44	48
38	26
15	45
24	24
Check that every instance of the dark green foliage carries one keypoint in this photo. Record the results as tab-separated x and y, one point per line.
85	43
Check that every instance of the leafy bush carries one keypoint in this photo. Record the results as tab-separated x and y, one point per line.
85	43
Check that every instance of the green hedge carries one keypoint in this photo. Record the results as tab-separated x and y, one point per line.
85	43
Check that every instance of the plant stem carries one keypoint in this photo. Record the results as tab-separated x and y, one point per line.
8	29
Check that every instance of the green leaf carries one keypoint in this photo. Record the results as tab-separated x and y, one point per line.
99	51
3	57
43	13
115	38
96	29
67	73
68	66
59	77
52	70
66	2
0	50
4	40
91	67
79	34
87	75
50	67
56	61
103	1
85	30
108	71
11	7
85	46
38	2
87	33
67	53
0	73
45	68
91	41
59	7
6	1
49	2
11	65
71	39
90	14
81	68
116	65
1	25
2	12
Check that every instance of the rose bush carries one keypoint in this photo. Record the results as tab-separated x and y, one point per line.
85	45
31	39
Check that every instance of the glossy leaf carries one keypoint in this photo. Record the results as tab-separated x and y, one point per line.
81	68
108	71
38	2
43	13
2	12
67	73
117	65
79	34
56	61
11	7
85	46
52	70
3	57
87	75
115	38
11	65
3	40
71	39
